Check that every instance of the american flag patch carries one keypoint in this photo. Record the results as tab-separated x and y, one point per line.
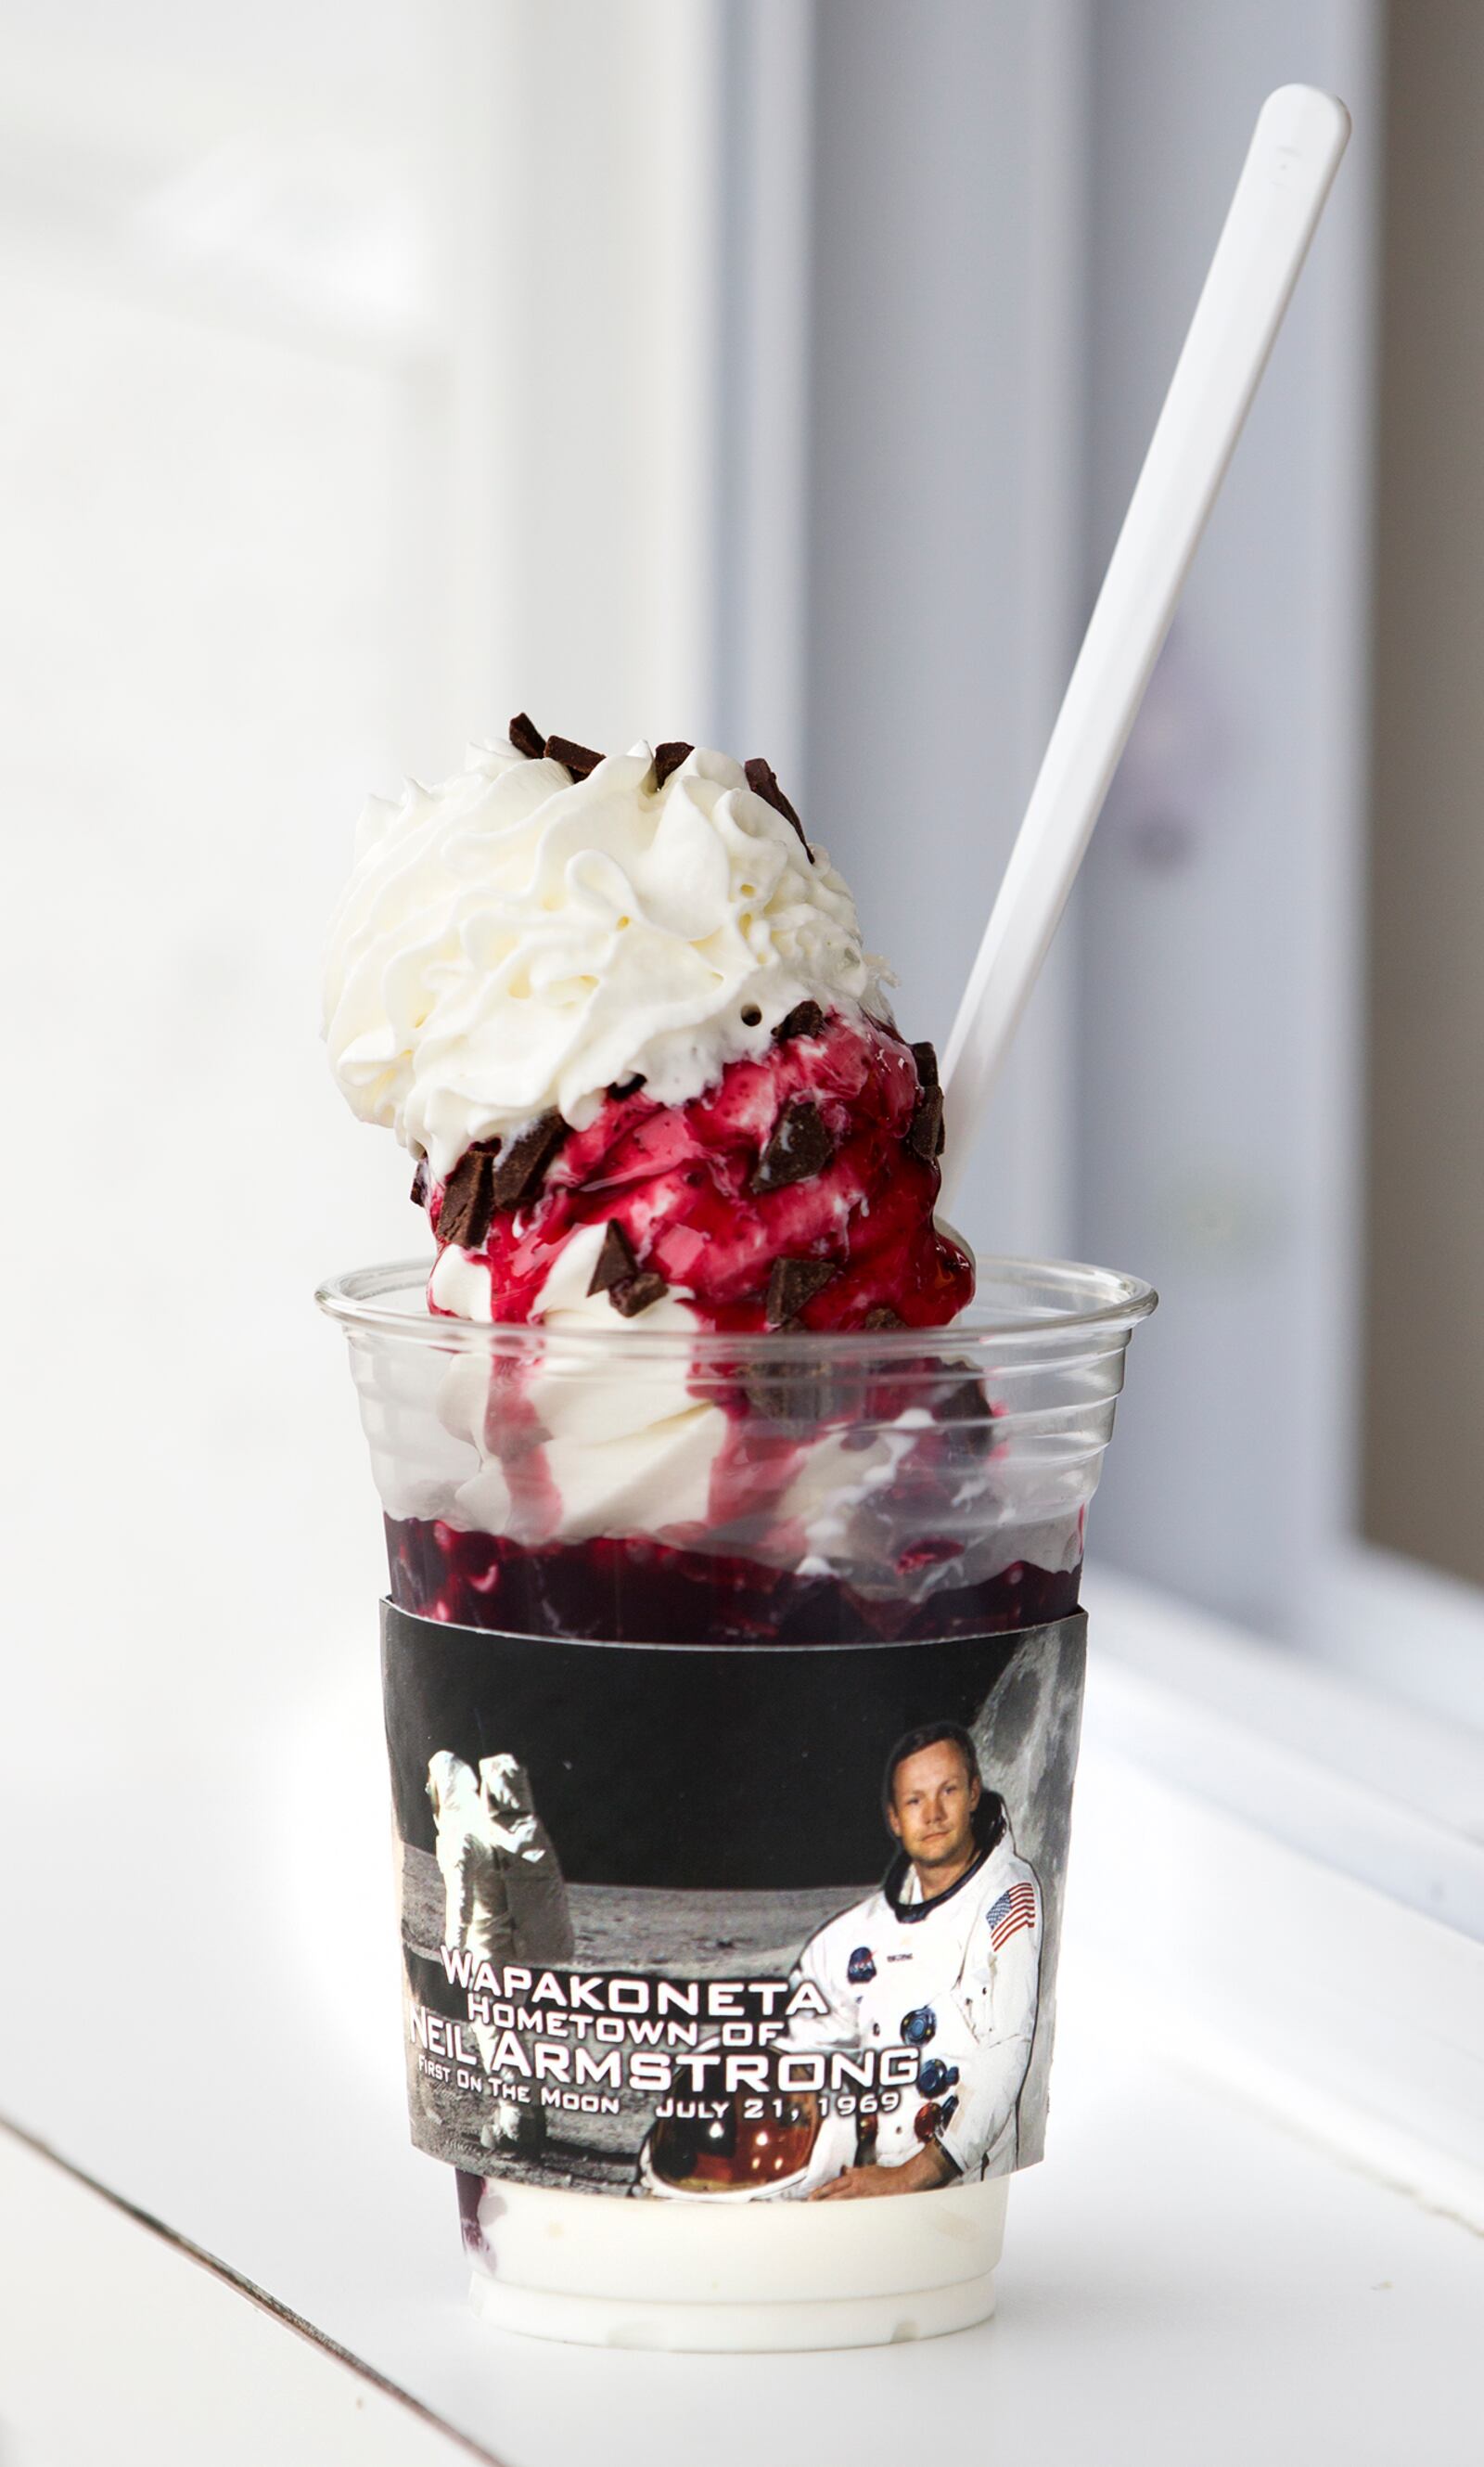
1015	1910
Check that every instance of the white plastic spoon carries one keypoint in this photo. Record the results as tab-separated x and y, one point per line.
1295	149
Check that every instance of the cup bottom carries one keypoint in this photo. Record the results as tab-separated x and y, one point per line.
767	2277
733	2329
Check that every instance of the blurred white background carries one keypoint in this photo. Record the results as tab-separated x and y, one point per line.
774	373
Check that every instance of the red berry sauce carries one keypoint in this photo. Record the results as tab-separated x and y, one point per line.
633	1591
689	1188
680	1182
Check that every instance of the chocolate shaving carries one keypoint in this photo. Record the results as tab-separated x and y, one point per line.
580	759
794	1284
619	1089
800	1147
925	1130
616	1260
927	1062
617	1273
790	1391
752	1016
525	1160
963	1401
419	1188
668	758
469	1197
805	1019
637	1293
763	780
881	1318
526	737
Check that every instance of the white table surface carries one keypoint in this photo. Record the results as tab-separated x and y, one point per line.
120	2349
202	2013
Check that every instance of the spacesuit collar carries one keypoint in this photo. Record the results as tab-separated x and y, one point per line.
894	1886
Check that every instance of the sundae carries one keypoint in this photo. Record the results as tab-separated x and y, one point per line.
707	1901
619	1012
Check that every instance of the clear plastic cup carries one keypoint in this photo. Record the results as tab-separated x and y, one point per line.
732	1693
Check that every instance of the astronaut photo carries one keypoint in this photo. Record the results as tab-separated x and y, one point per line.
942	1960
945	1959
504	1897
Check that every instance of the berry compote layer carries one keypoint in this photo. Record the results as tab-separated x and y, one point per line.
793	1195
631	1592
819	1159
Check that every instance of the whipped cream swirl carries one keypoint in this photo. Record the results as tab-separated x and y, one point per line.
626	1450
515	942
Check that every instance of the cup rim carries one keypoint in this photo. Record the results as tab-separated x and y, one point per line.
1096	1304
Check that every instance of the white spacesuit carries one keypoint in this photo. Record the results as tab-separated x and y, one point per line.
504	1893
474	1909
955	1979
535	1890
